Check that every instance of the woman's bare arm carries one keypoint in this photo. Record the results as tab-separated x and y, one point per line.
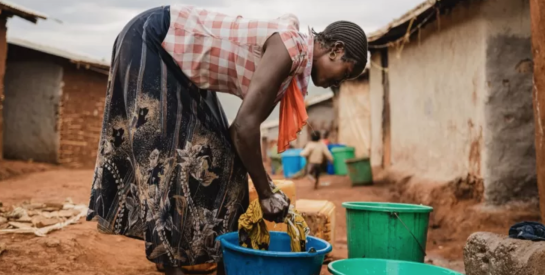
272	70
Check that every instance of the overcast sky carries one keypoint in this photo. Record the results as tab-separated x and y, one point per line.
90	26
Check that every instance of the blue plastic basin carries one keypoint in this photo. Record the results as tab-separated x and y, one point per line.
278	259
292	162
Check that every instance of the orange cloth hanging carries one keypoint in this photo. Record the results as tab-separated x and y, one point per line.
293	116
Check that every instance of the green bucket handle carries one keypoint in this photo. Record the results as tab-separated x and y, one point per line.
414	237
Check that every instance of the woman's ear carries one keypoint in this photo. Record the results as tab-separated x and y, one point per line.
338	47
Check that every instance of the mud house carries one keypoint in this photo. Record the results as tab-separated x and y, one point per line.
8	10
269	130
350	124
354	115
269	136
321	117
53	106
451	95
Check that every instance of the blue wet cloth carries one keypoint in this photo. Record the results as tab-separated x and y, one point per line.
532	231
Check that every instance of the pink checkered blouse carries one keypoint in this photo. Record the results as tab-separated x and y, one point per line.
221	53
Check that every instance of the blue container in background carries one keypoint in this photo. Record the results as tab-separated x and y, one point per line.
277	260
292	162
330	167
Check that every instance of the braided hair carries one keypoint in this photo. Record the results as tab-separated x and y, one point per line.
354	39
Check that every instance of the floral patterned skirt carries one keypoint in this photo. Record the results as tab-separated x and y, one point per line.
167	171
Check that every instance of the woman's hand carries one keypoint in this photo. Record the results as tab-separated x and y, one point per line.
275	207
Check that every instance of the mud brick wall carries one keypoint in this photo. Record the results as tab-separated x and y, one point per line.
3	54
82	108
32	90
459	101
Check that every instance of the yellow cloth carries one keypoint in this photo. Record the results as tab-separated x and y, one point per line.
253	232
252	228
297	230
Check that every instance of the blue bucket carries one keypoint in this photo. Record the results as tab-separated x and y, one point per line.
278	259
330	166
292	162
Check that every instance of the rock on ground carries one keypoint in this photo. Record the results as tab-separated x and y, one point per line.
41	222
488	253
52	243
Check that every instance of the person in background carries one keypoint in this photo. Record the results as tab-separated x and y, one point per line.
315	152
325	140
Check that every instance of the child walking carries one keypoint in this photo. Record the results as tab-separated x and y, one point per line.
315	152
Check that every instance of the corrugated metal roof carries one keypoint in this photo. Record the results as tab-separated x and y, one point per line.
401	20
416	18
313	100
78	59
22	12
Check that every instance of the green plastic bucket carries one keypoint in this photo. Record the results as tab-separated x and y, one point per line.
340	155
393	231
359	170
276	165
385	267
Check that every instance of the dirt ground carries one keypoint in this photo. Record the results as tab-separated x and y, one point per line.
11	169
80	249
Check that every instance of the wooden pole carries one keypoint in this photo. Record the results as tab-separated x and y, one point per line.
386	120
537	13
3	56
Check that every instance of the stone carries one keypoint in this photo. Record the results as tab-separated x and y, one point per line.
53	206
24	218
41	222
3	248
3	220
20	225
32	213
49	215
34	206
488	253
52	243
64	214
68	213
68	206
17	213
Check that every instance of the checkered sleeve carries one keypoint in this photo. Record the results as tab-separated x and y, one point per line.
297	50
295	43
